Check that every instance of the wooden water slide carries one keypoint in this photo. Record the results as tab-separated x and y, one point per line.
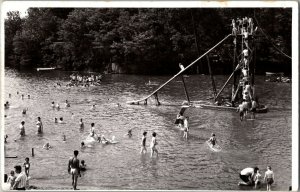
137	102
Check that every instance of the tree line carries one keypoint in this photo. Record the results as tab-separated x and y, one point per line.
141	40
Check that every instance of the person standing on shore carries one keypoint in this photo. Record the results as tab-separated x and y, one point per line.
74	169
21	180
269	178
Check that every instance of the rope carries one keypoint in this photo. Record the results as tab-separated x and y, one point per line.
270	40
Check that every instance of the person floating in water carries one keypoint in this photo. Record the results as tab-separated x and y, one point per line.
24	111
212	140
129	133
61	120
47	146
269	178
82	165
143	144
27	166
153	145
67	104
74	169
39	126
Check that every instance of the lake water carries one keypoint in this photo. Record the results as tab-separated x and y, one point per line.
181	164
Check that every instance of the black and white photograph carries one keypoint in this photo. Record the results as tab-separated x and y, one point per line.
149	95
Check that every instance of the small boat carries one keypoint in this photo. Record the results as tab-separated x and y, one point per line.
45	69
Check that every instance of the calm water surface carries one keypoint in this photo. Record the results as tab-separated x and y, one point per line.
181	164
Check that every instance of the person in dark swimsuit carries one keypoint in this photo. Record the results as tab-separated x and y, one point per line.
74	169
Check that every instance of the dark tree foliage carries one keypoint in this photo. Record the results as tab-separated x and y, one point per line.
141	40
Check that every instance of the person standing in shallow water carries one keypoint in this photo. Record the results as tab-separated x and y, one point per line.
153	145
39	126
143	148
74	169
269	178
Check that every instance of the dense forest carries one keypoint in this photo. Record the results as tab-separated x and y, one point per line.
142	40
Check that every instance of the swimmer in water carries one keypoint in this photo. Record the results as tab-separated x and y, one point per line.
82	165
28	96
27	166
64	137
93	107
22	96
60	120
9	95
67	104
52	105
55	120
129	133
47	146
57	106
24	111
82	144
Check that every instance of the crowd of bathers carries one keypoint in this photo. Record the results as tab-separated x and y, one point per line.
84	80
242	26
21	181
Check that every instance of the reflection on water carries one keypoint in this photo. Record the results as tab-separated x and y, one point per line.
181	164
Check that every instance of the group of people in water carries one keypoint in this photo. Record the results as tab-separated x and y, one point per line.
84	80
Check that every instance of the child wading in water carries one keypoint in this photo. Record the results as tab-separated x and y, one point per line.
143	148
257	179
153	145
269	178
27	166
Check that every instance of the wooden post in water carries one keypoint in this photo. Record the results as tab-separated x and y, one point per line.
32	152
185	90
212	78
